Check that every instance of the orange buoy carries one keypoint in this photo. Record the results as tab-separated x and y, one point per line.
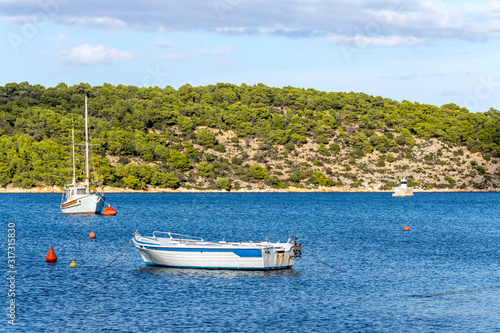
109	211
407	228
92	235
51	256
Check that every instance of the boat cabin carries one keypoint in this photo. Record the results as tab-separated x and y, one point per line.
75	192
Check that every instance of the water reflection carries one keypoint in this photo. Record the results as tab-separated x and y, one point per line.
216	273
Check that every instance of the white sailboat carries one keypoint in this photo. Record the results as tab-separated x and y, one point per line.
79	199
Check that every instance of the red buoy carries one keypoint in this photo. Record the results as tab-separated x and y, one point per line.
407	228
51	256
109	211
92	235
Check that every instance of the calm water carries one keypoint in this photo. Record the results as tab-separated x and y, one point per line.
453	245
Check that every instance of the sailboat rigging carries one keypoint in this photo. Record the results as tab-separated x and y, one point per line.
79	199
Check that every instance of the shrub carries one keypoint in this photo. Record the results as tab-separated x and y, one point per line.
5	174
133	182
481	169
321	140
289	146
323	151
206	170
271	181
258	172
185	124
260	157
209	157
179	161
390	158
223	184
220	148
335	148
358	152
123	160
320	178
298	138
206	138
294	177
236	160
400	140
169	180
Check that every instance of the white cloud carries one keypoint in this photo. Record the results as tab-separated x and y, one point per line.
20	19
375	22
84	55
108	23
361	40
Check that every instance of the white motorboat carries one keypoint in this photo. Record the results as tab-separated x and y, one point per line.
78	198
181	251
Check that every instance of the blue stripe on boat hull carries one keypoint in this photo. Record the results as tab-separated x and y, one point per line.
243	253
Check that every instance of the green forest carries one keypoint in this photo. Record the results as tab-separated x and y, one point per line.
229	137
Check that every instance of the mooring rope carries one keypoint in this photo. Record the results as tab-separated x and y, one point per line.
322	260
124	249
468	291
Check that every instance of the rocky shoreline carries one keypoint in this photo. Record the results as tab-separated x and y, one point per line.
107	189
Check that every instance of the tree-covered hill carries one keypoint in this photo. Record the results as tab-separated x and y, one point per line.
225	136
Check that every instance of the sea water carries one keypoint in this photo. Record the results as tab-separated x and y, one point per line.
441	276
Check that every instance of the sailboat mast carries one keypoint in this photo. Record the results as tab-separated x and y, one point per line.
73	139
86	147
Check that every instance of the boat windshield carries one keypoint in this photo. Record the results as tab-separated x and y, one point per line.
80	191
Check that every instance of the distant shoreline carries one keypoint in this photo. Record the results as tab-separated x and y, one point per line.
55	189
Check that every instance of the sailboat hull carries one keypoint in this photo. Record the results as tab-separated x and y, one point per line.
89	204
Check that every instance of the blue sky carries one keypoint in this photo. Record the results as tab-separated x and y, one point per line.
433	52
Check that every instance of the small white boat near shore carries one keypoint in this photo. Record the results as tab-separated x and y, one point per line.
181	251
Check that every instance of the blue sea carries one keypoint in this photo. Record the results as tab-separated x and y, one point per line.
441	276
